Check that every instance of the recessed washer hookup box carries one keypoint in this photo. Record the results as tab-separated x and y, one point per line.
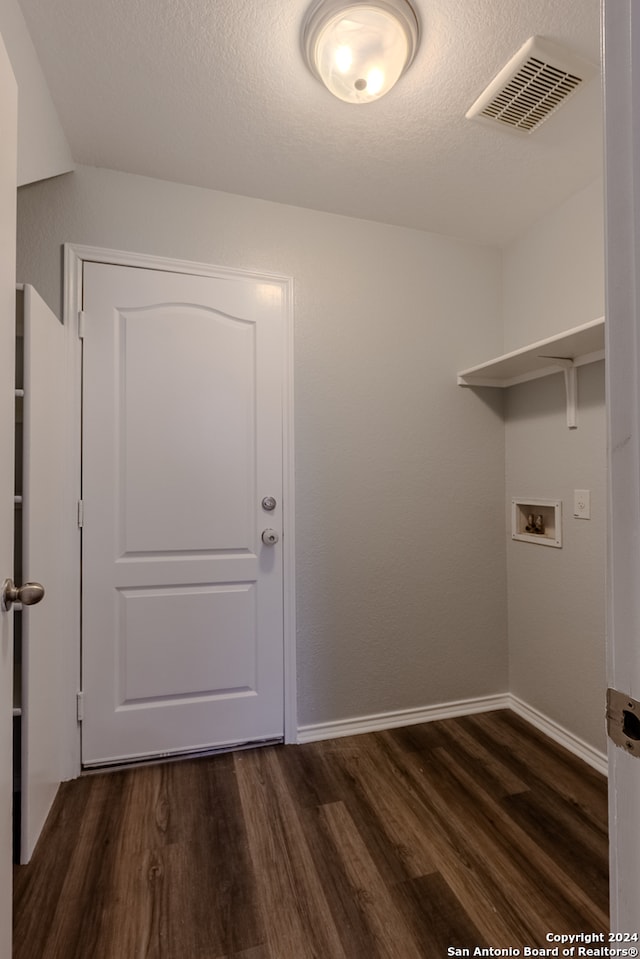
535	520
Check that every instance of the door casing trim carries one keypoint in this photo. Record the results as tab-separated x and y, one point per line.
75	255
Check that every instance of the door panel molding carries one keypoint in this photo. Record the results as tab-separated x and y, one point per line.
75	256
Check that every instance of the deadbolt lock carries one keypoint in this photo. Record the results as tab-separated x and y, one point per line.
623	721
269	503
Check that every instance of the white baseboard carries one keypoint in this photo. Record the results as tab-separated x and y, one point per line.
575	745
464	707
402	717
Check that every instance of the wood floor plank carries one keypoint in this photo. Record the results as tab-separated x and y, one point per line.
528	909
437	917
218	867
463	855
311	774
544	884
166	909
207	862
350	918
382	818
258	952
86	865
393	938
475	831
421	738
538	760
497	777
552	824
36	891
294	908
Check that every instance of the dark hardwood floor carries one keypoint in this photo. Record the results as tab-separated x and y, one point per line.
469	832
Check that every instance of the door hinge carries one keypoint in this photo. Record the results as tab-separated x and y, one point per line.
80	706
623	721
81	319
80	514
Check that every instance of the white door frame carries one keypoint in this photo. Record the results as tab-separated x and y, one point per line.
8	159
48	526
621	23
74	257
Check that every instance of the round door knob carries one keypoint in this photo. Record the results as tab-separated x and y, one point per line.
27	595
270	537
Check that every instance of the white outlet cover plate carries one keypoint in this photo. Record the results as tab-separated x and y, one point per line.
582	504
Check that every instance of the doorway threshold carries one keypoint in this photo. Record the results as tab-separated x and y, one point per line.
140	761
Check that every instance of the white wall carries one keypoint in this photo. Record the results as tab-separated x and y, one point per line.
399	473
43	150
553	280
553	275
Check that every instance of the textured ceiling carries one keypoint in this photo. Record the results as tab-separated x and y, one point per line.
214	93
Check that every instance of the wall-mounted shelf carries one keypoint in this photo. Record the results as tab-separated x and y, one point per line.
564	353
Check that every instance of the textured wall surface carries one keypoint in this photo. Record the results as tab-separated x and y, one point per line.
401	596
557	596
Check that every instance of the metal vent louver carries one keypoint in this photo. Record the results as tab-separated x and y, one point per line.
533	84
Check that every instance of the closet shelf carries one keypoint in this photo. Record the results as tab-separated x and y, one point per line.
564	352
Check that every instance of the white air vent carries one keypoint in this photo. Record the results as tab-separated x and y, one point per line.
534	83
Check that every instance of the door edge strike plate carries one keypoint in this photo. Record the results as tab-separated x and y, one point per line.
623	721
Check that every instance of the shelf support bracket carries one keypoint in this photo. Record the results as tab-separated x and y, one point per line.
571	388
570	371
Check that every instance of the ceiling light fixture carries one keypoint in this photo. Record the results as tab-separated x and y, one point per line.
360	48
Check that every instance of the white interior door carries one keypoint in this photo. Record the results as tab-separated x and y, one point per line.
182	441
43	626
8	153
622	137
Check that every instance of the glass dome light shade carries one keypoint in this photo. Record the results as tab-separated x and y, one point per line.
360	49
